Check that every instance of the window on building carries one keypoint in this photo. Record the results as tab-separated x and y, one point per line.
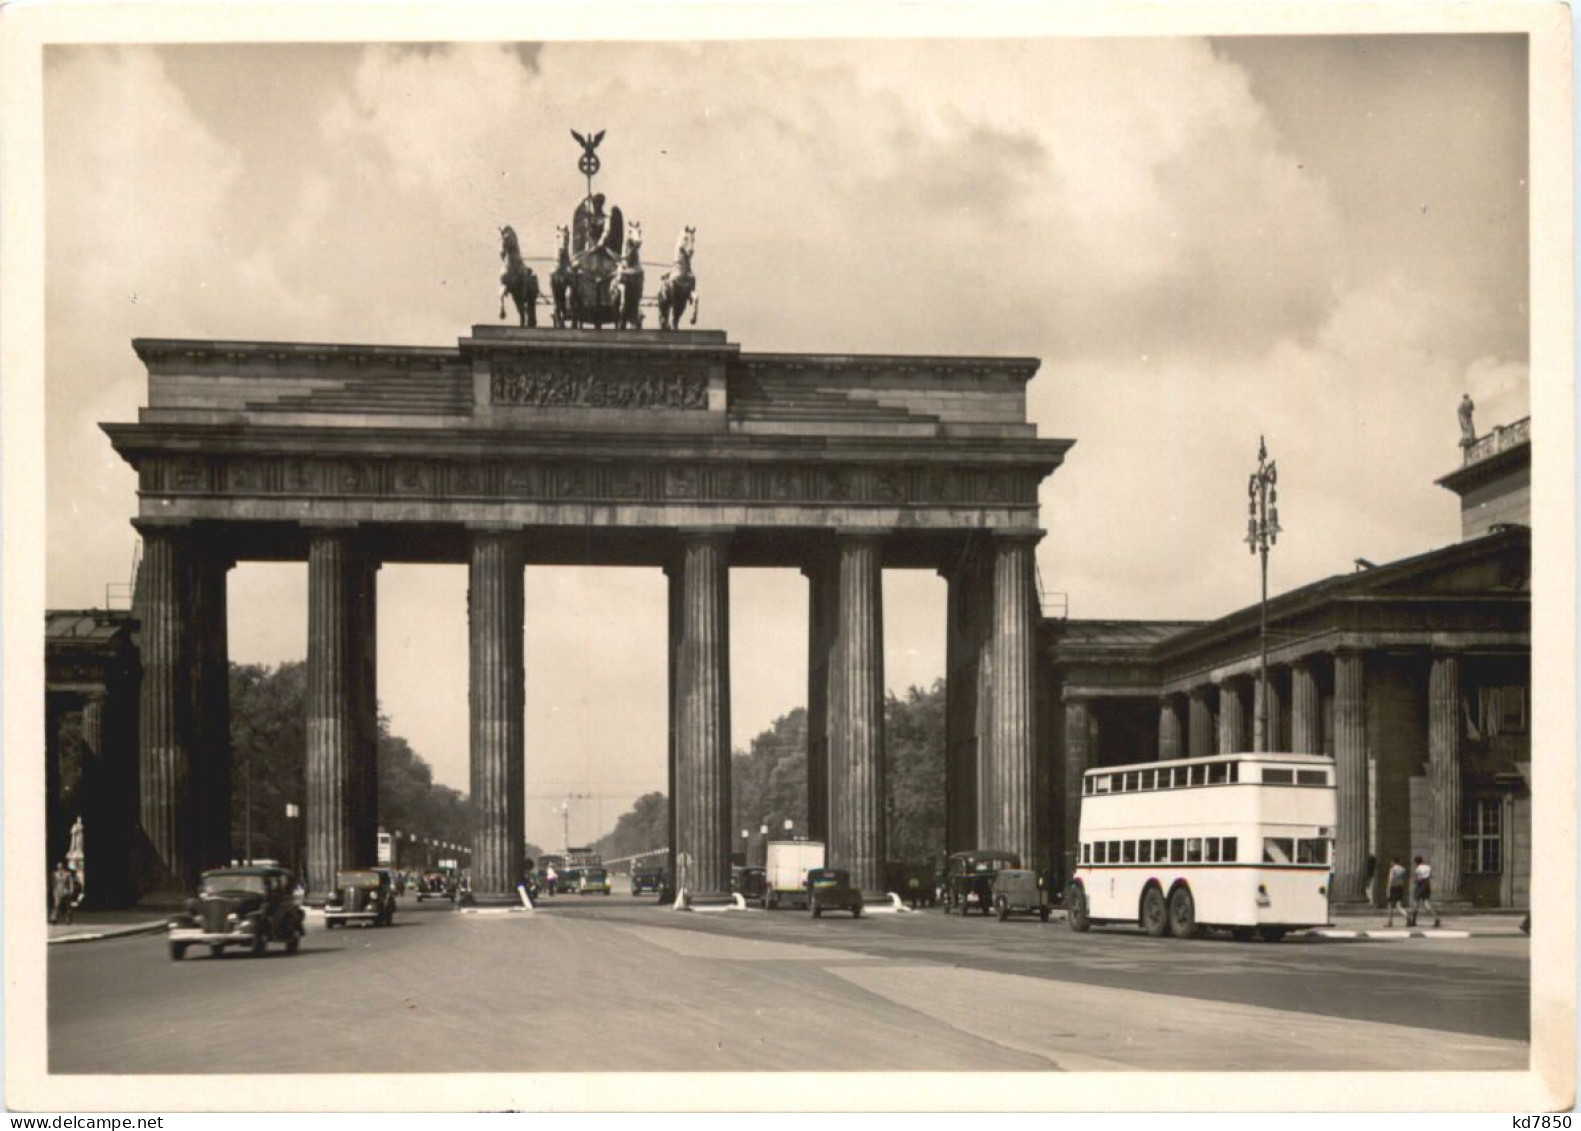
1502	709
1481	837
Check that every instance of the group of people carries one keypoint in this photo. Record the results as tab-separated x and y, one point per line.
1421	878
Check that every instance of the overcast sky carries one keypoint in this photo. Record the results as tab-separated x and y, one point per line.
1323	240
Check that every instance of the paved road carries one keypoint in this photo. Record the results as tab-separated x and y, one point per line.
612	984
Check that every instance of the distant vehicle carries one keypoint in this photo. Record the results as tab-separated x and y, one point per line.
361	895
750	882
788	863
582	858
915	884
249	907
829	889
647	879
588	881
1020	891
1239	842
969	878
436	884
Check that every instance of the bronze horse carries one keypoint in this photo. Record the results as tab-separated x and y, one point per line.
625	285
518	281
562	282
678	287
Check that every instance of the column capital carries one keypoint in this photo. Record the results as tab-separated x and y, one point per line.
704	533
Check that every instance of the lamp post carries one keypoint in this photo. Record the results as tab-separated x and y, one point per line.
1262	531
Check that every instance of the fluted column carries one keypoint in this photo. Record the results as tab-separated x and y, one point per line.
857	793
1080	731
822	601
963	664
1350	769
167	726
1267	705
210	767
1200	733
1169	729
93	723
1306	709
1007	810
1443	774
496	696
1232	718
672	575
342	724
702	706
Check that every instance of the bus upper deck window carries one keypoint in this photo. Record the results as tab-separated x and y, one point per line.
1234	768
1278	850
1160	851
1218	773
1272	776
1311	777
1086	786
1144	851
1194	850
1177	850
1133	781
1227	850
1086	853
1100	784
1311	851
1114	852
1198	774
1129	852
1212	847
1100	853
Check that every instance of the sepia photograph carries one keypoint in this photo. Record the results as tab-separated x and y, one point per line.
783	561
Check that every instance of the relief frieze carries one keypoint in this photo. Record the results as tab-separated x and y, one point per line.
549	481
580	382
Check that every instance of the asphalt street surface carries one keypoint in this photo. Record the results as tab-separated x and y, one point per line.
612	984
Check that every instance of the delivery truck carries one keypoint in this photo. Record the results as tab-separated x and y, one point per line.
789	861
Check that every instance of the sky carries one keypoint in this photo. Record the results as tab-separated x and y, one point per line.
1318	240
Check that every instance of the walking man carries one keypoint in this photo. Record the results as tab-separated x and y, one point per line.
1421	893
63	893
1397	890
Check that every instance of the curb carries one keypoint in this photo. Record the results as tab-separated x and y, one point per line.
127	931
1386	934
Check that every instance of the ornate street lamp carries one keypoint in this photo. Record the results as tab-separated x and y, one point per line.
1262	531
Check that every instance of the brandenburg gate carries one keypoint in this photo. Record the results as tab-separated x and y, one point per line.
673	449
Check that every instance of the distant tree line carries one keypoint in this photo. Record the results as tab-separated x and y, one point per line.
768	784
269	745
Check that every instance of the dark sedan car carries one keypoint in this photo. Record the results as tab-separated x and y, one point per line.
249	907
829	889
1019	891
361	895
647	880
750	883
969	879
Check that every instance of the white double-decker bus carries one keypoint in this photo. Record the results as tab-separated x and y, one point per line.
1242	842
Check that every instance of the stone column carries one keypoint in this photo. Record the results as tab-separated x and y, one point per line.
1200	733
1080	731
1267	704
1443	774
1169	735
169	731
1350	758
342	724
702	707
496	696
1306	709
1007	809
93	723
856	786
822	601
963	663
1232	718
210	766
672	574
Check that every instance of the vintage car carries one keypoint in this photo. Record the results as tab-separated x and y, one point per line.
750	882
969	878
588	881
647	880
436	884
915	884
249	907
361	895
1020	891
829	889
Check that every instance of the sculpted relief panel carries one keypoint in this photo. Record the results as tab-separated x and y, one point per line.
580	382
568	480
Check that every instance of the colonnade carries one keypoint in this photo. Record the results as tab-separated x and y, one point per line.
1317	704
993	616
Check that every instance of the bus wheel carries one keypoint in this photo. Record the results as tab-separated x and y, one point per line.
1076	908
1155	913
1271	934
1182	913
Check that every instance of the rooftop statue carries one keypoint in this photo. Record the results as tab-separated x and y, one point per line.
1468	430
518	281
678	286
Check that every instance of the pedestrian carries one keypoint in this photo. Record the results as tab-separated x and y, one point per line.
552	878
1422	893
1397	890
63	893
